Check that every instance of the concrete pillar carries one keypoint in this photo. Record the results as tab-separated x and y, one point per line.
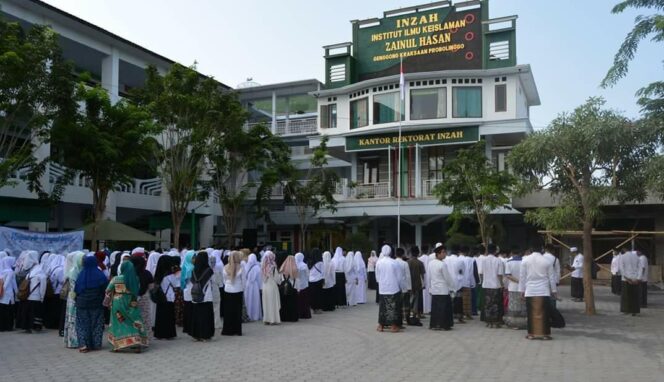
353	228
111	207
206	231
165	236
110	75
418	235
353	167
658	258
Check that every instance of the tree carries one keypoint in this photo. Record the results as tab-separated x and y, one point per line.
184	105
235	152
651	97
473	186
585	159
36	92
105	143
310	191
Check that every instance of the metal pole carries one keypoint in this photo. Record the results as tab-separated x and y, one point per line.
399	176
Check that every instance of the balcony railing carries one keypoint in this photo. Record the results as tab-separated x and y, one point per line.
298	126
372	190
428	186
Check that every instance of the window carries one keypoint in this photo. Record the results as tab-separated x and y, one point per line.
436	162
501	97
467	102
370	171
328	116
386	108
301	104
359	113
428	103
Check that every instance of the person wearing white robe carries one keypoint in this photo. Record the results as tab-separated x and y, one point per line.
302	286
643	267
32	308
361	287
630	270
389	277
252	295
216	282
351	278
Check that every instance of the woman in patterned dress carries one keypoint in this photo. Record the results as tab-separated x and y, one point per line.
127	329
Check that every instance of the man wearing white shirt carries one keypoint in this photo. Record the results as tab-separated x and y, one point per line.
440	284
630	270
616	280
468	284
405	285
643	265
493	270
555	263
480	291
537	285
426	297
388	276
577	275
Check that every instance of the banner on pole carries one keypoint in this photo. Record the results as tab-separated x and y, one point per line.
17	240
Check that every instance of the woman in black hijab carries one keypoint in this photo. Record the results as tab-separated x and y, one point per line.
202	317
164	323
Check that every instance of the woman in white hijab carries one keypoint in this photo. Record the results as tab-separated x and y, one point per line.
340	277
32	308
233	295
302	286
351	278
9	288
329	291
252	295
361	271
216	282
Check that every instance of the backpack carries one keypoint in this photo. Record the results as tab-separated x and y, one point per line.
286	288
198	290
556	319
24	290
50	292
157	295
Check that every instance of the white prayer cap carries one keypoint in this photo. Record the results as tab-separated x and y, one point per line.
386	250
438	245
138	250
574	249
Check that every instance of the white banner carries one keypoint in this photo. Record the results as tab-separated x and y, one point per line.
17	240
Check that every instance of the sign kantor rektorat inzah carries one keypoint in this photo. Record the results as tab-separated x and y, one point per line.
466	134
438	39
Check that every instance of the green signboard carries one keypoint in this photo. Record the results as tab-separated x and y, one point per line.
430	40
442	136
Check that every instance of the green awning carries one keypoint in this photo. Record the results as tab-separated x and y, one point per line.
24	210
114	231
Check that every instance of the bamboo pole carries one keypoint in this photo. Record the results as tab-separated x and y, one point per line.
607	252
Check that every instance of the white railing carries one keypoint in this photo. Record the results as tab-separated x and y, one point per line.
298	126
372	190
428	186
150	187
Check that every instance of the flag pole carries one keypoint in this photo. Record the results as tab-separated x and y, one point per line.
399	169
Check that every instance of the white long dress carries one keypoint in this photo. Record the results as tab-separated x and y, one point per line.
252	296
351	278
426	296
361	287
271	301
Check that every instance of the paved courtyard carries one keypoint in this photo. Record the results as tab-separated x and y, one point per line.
344	346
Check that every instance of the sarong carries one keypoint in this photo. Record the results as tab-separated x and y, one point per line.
644	294
629	299
457	303
616	284
493	305
480	303
405	306
371	278
441	312
538	316
388	311
466	296
516	312
577	287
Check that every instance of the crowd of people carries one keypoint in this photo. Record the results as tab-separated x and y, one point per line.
137	296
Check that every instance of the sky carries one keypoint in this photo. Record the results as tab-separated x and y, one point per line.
569	44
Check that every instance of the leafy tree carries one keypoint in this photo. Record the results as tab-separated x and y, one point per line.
185	107
235	152
585	159
473	186
36	92
105	143
651	97
312	191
